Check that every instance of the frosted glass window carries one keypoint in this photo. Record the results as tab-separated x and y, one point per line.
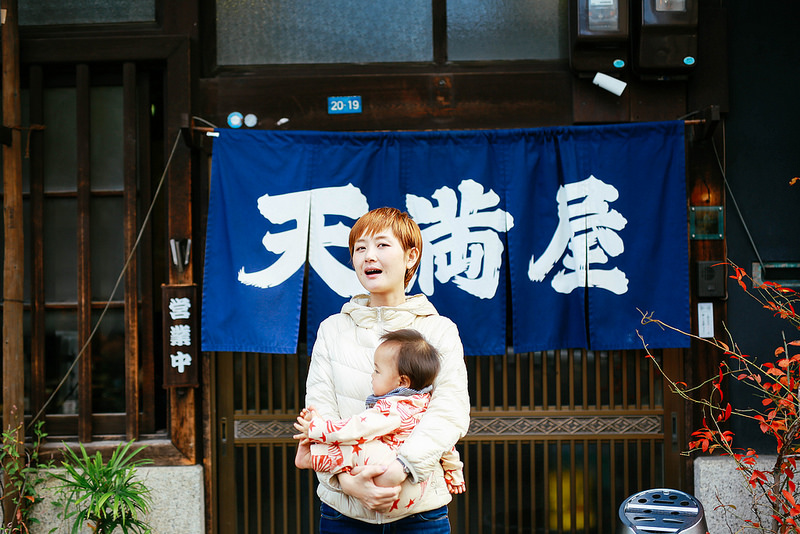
61	348
506	29
107	246
304	31
60	145
60	250
108	362
106	138
47	12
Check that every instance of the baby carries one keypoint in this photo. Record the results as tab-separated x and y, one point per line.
405	368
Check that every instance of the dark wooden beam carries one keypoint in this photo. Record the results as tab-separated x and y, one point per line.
130	178
14	253
84	284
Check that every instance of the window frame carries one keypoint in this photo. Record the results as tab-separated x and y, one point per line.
169	48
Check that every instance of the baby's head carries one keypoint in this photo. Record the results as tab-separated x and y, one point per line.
404	359
399	223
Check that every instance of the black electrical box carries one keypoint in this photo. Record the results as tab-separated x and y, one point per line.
710	279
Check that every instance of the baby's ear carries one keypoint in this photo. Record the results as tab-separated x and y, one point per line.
405	381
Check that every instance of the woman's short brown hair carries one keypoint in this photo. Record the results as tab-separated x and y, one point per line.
416	358
399	223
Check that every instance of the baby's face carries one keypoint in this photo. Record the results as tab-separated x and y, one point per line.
385	377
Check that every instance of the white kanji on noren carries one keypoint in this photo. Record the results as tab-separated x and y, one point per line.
461	241
586	235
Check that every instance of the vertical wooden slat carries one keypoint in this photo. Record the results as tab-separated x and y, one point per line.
571	367
611	393
625	380
638	369
600	493
481	484
246	486
598	389
243	380
36	92
505	475
145	253
131	308
546	480
613	477
504	375
559	377
520	489
83	95
545	400
283	384
585	378
256	382
284	487
492	382
626	466
493	490
586	498
259	485
531	381
651	380
534	484
479	382
559	485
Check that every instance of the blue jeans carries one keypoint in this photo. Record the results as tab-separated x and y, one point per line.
430	522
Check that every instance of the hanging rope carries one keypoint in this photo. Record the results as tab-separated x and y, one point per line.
116	285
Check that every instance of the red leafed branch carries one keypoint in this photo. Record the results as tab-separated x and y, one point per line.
777	382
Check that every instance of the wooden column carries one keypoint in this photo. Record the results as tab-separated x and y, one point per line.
183	414
13	267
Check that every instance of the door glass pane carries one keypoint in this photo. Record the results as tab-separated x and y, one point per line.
60	350
60	147
44	12
107	247
106	138
506	29
346	31
60	250
108	363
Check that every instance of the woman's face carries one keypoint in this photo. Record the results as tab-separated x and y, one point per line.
380	264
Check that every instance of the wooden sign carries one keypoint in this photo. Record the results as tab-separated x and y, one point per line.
181	335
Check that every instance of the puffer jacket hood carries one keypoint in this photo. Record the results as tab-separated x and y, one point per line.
387	318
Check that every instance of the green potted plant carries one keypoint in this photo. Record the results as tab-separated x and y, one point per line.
105	495
22	475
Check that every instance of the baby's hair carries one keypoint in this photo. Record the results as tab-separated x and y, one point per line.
416	358
399	223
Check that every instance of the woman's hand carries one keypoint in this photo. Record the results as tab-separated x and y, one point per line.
393	476
360	484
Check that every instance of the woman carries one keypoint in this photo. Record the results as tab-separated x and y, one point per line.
386	247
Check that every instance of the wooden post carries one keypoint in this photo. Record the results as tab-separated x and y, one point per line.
13	272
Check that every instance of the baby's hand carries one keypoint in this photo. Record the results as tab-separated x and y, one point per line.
460	488
303	423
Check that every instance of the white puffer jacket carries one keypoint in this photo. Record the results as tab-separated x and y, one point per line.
339	381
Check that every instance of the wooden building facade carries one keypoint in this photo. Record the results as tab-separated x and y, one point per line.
116	167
